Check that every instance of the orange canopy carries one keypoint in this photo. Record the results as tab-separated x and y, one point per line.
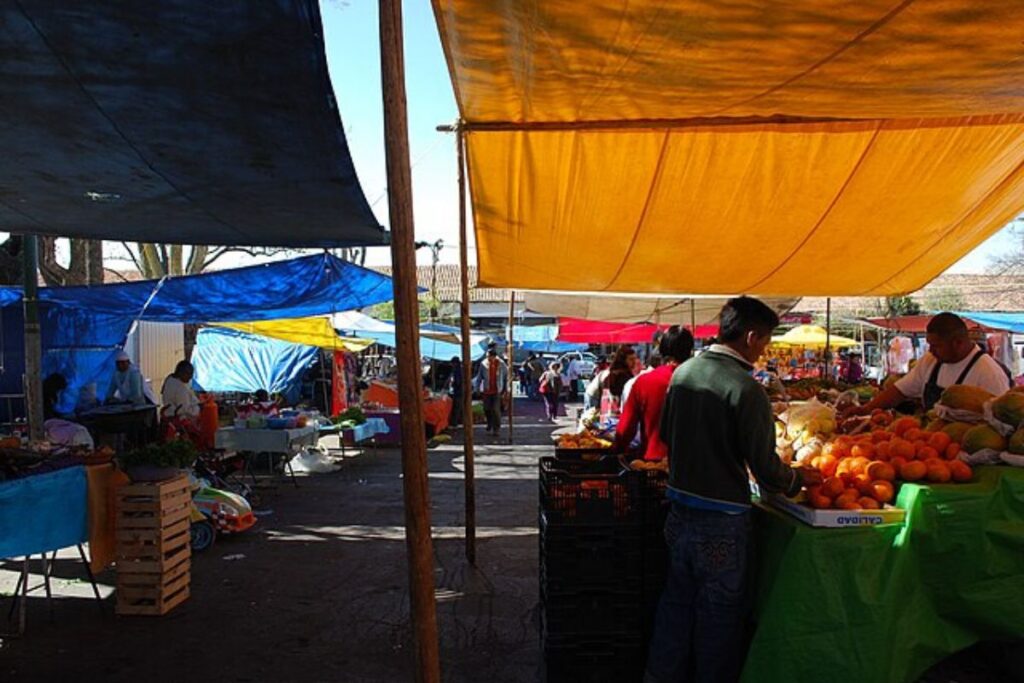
774	148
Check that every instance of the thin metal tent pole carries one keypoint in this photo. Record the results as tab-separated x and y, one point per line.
693	318
467	361
33	380
511	362
418	541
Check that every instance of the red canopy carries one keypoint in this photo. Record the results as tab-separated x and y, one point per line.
581	331
913	324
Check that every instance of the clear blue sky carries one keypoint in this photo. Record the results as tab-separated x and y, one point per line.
353	55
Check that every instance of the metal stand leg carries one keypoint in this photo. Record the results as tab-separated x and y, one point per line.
92	579
47	567
288	464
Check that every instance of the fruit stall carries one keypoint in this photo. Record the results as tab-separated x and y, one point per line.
909	550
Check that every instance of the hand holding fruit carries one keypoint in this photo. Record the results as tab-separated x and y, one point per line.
809	476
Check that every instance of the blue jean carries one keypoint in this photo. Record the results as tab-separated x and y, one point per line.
699	627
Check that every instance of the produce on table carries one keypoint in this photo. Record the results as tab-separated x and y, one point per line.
983	436
861	471
1009	408
641	464
582	440
963	397
1016	445
353	415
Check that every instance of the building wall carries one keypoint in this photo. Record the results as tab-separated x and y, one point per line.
155	348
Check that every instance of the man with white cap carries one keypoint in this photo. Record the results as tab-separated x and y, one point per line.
126	386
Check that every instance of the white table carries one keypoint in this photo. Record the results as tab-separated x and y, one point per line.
251	441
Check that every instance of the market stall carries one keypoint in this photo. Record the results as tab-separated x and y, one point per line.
884	603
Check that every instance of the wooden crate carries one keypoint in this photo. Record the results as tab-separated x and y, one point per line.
153	546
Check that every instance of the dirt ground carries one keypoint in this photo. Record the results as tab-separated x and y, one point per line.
318	590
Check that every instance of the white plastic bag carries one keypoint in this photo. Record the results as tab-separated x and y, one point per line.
314	461
958	414
986	456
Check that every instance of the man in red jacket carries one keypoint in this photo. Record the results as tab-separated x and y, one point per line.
643	407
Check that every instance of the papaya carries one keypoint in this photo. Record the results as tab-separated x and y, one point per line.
956	430
1009	408
1017	442
963	397
983	436
938	425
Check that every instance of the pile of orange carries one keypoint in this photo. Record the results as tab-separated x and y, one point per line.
859	471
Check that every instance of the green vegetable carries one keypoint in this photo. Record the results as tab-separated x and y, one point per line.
177	453
354	414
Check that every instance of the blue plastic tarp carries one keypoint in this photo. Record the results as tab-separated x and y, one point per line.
297	288
82	327
43	512
1010	322
229	360
175	121
541	339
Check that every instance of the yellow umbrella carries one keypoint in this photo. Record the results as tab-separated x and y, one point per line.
812	335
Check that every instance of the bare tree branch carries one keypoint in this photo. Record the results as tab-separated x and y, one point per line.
131	254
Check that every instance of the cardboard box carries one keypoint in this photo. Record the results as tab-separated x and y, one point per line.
836	518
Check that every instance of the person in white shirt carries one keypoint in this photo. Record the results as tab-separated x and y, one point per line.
952	358
178	398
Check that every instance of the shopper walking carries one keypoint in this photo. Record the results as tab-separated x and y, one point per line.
551	389
492	383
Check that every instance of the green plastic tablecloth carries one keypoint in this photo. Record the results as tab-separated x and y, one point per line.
883	604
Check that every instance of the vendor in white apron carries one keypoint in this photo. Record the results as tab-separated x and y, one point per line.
952	358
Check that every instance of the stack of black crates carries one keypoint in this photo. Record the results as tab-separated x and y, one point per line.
602	565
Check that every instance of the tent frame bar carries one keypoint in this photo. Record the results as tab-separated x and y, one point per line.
467	362
659	124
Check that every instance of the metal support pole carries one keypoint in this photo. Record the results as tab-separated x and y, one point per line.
511	362
693	318
419	544
33	379
467	362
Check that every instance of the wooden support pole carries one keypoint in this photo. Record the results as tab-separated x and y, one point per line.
419	544
693	318
467	362
511	363
828	337
33	379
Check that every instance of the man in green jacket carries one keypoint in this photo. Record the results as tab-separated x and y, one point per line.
718	425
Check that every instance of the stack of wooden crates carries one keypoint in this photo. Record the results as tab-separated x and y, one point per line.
153	546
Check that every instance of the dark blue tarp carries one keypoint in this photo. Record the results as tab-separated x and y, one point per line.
229	360
82	327
175	121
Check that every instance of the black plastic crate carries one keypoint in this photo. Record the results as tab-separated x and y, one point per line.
589	492
611	657
592	612
575	556
652	485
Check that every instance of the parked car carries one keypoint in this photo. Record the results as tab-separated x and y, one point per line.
586	362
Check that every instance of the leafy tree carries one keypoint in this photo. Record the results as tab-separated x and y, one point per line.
901	305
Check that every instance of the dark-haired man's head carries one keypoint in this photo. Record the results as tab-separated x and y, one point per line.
948	339
676	344
746	325
184	371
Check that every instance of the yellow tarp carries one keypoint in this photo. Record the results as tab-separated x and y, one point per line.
308	331
773	148
812	335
